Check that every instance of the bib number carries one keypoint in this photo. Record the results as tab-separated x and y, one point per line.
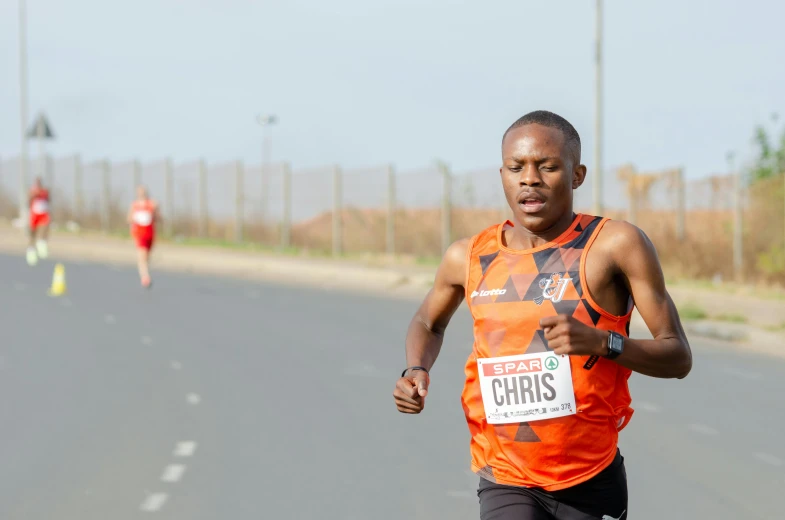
40	207
143	218
527	387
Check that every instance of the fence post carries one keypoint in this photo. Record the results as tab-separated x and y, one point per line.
286	218
203	198
391	204
681	203
265	192
78	197
632	187
738	259
239	211
49	171
446	206
504	206
168	197
337	212
136	177
106	194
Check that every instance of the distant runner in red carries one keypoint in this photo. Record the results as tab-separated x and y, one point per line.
38	202
142	217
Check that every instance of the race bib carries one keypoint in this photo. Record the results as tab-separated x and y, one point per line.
143	218
40	206
527	387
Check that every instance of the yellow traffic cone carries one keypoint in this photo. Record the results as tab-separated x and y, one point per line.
58	281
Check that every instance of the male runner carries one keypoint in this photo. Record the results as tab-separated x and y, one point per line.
551	294
38	202
142	216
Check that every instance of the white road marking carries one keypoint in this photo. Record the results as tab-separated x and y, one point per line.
471	488
147	340
154	502
193	398
768	458
185	449
173	473
702	428
649	407
744	374
362	369
176	365
109	318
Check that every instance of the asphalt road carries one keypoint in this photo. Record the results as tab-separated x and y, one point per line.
210	398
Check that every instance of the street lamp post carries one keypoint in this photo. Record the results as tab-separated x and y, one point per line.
266	121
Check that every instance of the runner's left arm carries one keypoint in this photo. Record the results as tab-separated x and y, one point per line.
635	260
668	354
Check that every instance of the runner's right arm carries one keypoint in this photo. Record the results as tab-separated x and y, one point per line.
426	330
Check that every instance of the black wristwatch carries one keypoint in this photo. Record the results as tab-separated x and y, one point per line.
615	345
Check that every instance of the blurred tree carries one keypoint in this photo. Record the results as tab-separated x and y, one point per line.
770	159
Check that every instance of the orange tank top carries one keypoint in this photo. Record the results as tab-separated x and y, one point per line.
508	291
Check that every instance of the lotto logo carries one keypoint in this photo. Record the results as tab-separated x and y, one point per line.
493	292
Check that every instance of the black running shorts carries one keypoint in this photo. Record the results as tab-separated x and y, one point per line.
603	497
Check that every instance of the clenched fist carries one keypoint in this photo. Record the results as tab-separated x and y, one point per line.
410	392
566	335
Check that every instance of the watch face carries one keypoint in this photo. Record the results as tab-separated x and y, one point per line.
615	343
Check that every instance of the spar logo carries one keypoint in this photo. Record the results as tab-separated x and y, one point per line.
508	368
551	363
492	292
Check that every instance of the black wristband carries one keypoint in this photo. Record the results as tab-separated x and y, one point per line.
403	374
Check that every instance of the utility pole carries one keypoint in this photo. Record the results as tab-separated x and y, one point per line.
597	185
775	171
23	110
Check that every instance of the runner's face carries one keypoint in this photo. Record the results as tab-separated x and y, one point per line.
538	175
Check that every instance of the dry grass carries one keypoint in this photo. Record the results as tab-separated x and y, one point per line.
705	252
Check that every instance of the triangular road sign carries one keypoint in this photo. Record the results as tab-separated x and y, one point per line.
47	130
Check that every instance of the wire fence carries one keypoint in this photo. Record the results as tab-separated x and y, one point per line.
415	212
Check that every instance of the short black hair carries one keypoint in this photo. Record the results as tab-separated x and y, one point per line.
551	120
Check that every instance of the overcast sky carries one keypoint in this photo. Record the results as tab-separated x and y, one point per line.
360	82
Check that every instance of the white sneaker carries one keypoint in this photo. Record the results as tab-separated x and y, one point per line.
43	248
32	257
